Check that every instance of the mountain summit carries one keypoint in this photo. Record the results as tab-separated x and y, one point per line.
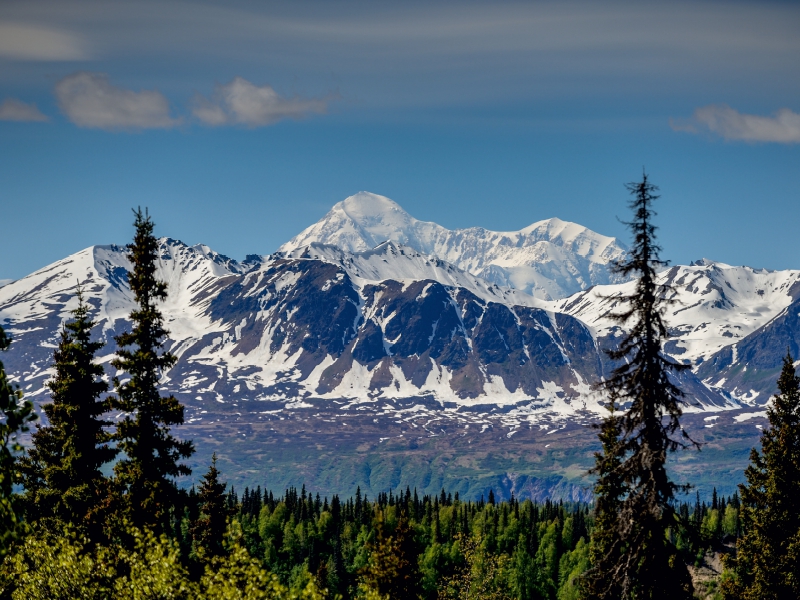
549	259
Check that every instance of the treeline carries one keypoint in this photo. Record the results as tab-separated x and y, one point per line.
405	546
69	529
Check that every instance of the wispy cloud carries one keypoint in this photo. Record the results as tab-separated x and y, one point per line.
437	54
16	110
727	122
21	41
90	100
241	102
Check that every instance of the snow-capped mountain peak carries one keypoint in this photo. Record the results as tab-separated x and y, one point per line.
576	238
549	259
363	221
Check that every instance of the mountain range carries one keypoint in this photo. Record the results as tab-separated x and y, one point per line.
372	316
549	259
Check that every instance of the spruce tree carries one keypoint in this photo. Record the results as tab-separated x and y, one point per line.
767	563
609	490
16	415
642	563
61	473
151	454
208	531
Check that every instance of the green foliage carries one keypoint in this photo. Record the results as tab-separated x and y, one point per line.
16	415
151	453
152	569
712	524
392	569
61	472
479	574
239	576
56	567
573	564
767	564
730	521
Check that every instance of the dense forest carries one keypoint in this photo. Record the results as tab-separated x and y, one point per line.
91	508
219	544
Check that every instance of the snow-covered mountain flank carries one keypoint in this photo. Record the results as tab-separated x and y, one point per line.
712	305
318	323
715	310
370	307
549	259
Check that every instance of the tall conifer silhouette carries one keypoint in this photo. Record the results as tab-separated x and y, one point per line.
61	472
151	454
641	562
16	415
767	563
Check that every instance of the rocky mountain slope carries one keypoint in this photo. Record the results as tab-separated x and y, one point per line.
748	369
320	324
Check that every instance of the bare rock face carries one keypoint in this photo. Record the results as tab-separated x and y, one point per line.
706	575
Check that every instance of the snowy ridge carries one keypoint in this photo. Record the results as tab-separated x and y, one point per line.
33	308
397	262
714	305
549	259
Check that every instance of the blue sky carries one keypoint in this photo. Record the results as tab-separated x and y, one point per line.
239	124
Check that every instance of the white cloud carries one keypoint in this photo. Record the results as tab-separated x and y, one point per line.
243	103
21	41
15	110
783	127
90	100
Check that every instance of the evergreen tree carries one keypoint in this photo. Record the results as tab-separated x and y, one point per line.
604	549
152	454
208	531
767	563
393	569
16	415
61	472
647	564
